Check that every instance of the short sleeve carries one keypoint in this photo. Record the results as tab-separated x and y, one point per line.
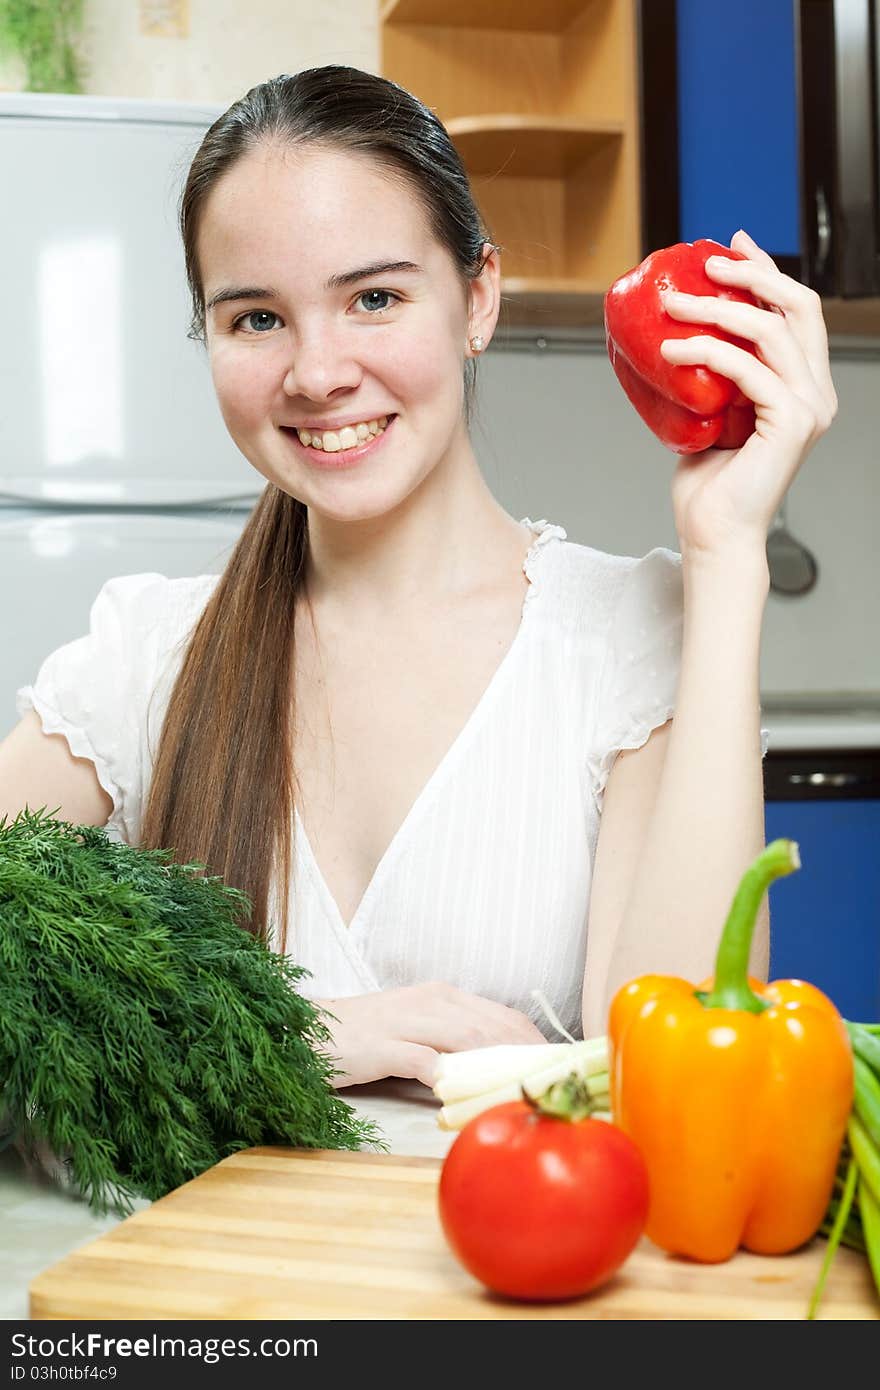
95	690
637	688
639	682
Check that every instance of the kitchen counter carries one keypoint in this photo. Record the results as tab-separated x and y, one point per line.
798	723
363	1228
40	1224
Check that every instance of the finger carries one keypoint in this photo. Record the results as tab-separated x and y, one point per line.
771	334
513	1023
473	1031
747	246
754	378
773	287
799	305
414	1062
484	1020
505	1025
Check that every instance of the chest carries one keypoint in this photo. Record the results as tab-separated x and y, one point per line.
376	713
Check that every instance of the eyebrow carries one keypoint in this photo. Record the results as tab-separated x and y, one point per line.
335	282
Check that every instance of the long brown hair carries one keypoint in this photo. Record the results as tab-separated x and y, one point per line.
223	786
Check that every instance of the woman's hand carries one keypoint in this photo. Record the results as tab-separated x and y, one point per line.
725	499
401	1032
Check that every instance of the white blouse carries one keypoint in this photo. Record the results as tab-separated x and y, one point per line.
486	884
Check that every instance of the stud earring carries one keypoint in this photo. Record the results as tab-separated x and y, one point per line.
476	344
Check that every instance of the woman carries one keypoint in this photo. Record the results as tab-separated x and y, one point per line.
434	744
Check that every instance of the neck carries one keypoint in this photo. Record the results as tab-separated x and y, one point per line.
440	542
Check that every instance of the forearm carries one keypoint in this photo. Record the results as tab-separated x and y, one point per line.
707	823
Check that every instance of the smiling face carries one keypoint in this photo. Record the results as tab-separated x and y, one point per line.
298	347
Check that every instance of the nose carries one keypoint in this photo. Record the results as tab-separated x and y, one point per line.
320	366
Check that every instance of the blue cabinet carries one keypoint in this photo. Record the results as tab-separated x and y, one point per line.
738	122
825	918
764	115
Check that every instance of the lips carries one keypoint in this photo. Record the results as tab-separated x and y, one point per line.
386	415
341	458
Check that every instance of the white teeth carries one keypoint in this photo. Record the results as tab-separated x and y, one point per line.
331	441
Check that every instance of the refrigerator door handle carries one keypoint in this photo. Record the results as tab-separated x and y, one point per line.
823	231
77	497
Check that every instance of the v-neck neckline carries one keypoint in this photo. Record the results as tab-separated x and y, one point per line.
543	531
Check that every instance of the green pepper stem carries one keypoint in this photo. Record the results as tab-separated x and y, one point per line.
731	989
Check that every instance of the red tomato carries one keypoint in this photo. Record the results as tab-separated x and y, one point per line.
537	1207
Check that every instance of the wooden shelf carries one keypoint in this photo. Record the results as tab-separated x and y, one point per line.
538	147
852	317
540	98
577	306
545	305
538	288
530	16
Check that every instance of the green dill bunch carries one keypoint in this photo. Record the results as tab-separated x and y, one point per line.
144	1033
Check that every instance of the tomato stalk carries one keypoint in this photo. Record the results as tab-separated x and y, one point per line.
573	1098
472	1081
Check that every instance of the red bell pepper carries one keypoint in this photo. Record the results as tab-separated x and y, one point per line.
689	408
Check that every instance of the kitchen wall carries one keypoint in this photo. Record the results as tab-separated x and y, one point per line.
227	47
557	438
555	434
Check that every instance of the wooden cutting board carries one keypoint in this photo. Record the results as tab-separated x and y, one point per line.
294	1233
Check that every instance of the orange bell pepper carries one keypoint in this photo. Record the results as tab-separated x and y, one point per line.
736	1092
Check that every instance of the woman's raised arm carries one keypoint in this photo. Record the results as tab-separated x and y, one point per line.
681	831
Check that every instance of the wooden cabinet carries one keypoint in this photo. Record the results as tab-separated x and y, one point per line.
541	100
565	116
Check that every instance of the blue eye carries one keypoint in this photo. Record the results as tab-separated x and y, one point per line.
383	294
266	314
254	314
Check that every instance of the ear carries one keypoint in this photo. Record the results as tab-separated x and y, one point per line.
484	295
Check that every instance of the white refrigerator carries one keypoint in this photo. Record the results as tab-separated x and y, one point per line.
114	458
